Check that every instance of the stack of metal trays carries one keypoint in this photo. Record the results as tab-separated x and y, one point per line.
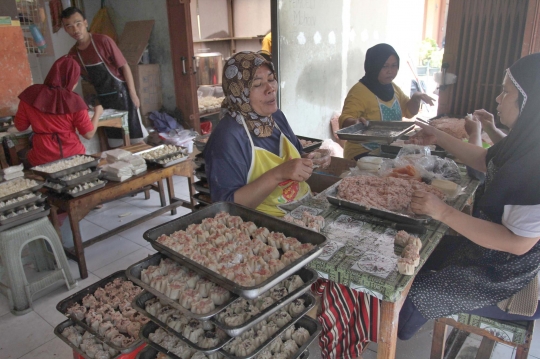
385	131
151	353
250	295
22	206
179	154
77	299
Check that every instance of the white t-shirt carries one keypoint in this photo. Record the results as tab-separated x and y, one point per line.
523	221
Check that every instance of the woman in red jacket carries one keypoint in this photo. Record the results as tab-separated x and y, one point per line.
56	113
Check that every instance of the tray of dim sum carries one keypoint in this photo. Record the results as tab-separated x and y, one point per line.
333	196
18	187
164	155
83	342
268	341
183	289
244	251
104	309
65	166
73	179
151	353
309	144
34	211
21	212
200	335
19	201
388	131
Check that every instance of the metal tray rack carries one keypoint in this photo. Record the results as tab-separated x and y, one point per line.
199	160
304	235
88	190
200	187
198	196
23	192
69	170
332	197
138	304
313	147
36	198
65	303
58	332
200	172
388	131
81	179
312	326
134	274
309	276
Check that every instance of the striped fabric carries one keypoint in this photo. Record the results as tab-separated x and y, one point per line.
349	319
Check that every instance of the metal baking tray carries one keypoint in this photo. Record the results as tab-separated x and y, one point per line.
197	196
22	220
81	179
19	217
394	150
388	131
200	172
58	332
170	163
23	192
65	303
138	304
67	171
331	196
134	274
304	235
313	147
179	150
308	275
199	160
313	327
55	190
88	190
200	187
37	198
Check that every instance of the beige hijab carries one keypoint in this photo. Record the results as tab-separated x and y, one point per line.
238	74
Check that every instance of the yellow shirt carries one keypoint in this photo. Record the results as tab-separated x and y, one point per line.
267	43
361	102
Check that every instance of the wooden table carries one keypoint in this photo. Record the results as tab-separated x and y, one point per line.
116	119
77	208
393	289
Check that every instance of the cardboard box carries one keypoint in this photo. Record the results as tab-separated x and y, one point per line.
148	84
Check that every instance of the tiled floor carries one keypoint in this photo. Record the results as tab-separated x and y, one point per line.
31	336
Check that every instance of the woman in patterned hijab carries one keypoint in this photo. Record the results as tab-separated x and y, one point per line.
238	77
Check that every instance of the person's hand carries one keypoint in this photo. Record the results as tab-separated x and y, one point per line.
298	169
427	135
420	96
472	125
429	204
98	110
135	100
485	118
320	158
353	121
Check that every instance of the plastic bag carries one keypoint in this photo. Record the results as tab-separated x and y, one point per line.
429	167
102	24
335	149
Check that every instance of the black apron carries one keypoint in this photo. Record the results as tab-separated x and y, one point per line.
113	94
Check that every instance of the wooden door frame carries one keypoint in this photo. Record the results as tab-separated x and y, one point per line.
182	56
531	39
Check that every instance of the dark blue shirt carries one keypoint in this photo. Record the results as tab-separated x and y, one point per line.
228	154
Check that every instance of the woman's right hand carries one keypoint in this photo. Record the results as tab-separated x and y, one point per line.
485	118
425	137
298	169
353	121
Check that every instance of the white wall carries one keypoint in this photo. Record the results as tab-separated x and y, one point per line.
322	52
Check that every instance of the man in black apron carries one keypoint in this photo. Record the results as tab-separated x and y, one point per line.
103	65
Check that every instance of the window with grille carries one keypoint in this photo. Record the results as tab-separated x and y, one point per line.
31	13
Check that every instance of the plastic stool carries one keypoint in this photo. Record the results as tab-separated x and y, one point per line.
18	289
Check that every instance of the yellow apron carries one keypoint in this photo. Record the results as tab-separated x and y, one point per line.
262	161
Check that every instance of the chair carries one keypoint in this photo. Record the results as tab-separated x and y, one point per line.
517	334
40	235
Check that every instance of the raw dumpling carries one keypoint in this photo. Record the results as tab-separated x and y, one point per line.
300	336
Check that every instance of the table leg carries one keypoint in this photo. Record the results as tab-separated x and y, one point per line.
54	220
161	191
388	327
146	194
170	189
191	180
78	244
125	136
103	143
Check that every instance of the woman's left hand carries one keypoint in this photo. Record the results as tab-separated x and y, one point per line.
420	96
428	203
320	158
